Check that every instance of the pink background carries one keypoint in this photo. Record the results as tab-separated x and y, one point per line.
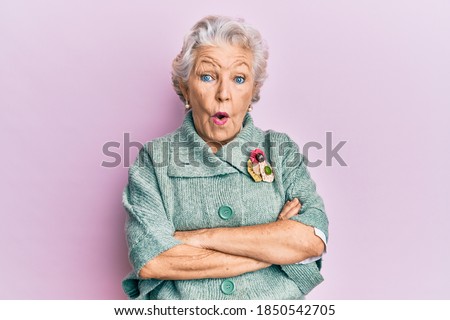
77	74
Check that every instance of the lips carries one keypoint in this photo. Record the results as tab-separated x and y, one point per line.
220	118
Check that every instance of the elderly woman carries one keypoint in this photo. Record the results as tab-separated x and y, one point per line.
220	209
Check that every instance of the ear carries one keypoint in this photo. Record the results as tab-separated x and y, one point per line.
255	89
184	90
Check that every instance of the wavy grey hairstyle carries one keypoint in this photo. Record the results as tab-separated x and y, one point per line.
213	31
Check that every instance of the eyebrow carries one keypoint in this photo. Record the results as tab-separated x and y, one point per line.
204	61
242	63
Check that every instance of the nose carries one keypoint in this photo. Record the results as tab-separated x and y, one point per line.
223	91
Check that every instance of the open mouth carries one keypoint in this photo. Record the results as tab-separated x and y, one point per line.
220	118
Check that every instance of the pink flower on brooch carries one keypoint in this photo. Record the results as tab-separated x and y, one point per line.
255	156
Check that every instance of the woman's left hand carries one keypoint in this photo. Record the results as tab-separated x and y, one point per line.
290	209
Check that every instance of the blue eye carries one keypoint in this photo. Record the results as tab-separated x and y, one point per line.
206	78
239	80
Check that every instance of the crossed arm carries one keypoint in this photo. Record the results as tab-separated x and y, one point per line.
227	252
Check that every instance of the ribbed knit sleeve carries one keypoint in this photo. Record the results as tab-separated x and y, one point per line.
148	230
297	183
304	188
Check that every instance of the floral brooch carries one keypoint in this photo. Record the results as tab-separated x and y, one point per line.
259	168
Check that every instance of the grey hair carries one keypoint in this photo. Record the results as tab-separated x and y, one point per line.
213	31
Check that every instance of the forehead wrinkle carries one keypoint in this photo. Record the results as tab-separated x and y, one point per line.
208	60
205	66
216	65
202	65
208	55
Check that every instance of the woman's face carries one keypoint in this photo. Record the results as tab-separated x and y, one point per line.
220	89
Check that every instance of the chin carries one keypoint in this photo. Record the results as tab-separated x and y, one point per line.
222	139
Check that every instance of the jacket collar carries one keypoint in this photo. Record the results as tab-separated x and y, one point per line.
190	156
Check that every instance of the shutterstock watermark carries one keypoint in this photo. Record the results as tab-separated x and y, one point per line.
190	152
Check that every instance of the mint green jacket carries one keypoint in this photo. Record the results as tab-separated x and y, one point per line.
177	183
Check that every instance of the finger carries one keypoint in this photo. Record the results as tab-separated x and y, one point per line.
287	206
293	212
294	202
290	203
290	212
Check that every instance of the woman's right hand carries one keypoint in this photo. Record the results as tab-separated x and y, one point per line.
290	209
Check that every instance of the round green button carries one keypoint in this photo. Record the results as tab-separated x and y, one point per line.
227	286
225	212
